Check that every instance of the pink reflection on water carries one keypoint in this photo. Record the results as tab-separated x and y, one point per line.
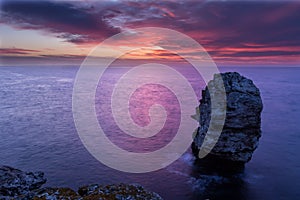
140	102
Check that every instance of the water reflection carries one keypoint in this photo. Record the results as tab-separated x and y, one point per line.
215	178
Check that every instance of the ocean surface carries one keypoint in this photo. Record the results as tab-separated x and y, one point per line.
37	132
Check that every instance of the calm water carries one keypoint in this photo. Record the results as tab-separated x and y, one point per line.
38	133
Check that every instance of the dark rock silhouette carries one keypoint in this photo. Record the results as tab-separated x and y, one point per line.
18	185
15	183
242	128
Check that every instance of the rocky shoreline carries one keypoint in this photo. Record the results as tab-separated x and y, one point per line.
18	185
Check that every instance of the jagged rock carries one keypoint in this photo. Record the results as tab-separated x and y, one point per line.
17	184
117	192
56	194
96	192
242	128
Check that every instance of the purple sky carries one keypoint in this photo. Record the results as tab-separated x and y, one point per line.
233	32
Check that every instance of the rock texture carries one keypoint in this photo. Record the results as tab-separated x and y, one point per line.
96	192
242	128
18	185
117	192
56	194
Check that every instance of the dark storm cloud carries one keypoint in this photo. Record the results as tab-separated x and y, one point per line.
224	28
73	21
231	23
225	23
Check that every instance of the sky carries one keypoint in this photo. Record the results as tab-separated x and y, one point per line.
234	33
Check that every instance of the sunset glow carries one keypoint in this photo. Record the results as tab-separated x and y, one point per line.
64	32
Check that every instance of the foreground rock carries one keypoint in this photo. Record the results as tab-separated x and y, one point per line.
18	185
117	192
15	183
241	130
96	192
56	193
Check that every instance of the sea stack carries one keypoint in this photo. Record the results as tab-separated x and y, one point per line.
242	128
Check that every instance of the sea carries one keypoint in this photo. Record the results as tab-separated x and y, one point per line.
38	133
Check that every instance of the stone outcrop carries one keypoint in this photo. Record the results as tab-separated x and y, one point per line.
56	193
117	192
96	192
242	128
18	185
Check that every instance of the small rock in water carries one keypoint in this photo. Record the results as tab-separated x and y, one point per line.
242	128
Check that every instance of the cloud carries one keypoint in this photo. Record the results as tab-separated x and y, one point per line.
16	51
236	29
220	25
77	23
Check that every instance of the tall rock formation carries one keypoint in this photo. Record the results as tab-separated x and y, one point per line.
242	128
